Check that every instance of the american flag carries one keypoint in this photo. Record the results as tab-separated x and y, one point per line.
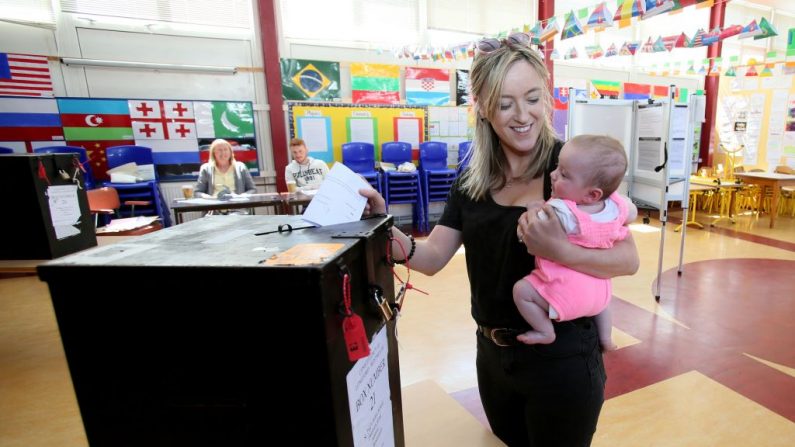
24	75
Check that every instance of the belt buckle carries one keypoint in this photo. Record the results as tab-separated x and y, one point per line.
496	335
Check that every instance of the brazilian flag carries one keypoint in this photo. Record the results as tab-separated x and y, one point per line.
304	80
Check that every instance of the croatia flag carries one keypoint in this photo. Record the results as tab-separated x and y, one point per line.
26	123
427	86
25	75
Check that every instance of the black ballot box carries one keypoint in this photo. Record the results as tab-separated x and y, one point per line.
207	334
46	212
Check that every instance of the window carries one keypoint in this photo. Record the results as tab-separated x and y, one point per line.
27	11
226	13
345	22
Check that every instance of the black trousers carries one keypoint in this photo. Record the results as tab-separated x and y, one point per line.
544	395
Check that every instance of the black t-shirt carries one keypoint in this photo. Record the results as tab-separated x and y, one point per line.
495	258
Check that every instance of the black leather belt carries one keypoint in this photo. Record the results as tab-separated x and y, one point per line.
501	336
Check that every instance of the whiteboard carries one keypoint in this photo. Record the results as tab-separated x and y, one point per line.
613	117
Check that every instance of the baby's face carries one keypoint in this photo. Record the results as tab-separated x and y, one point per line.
569	179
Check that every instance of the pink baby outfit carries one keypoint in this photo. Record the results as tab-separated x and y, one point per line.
573	294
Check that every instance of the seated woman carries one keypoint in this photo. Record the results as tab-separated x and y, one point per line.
222	173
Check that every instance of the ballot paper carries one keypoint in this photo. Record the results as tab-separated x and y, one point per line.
338	199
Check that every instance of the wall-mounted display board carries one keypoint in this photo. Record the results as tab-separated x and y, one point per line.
178	131
327	126
451	125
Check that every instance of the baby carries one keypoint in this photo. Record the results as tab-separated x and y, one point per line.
590	169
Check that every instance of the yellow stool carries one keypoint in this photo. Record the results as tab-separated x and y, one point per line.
691	210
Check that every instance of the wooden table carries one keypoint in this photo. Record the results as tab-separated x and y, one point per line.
767	179
293	200
695	190
180	206
722	184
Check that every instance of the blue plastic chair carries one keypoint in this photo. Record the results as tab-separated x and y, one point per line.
142	191
436	178
6	150
360	158
82	157
464	155
402	187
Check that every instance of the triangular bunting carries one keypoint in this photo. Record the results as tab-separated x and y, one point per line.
572	26
767	29
767	71
658	46
751	71
655	7
611	50
550	30
600	18
647	47
750	30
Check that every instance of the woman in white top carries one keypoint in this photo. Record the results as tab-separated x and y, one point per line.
222	173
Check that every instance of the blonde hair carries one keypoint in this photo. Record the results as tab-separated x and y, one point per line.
488	165
607	161
217	143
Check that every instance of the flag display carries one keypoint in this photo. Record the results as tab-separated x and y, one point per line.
219	119
29	119
24	75
572	26
659	91
427	86
95	150
95	119
636	91
375	83
162	120
310	80
600	18
607	89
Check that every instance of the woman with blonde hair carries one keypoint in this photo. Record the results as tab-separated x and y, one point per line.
533	395
222	174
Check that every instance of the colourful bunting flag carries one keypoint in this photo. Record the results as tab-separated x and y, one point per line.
750	30
730	31
375	83
600	18
647	47
751	71
767	29
711	37
550	30
594	51
730	72
767	71
788	68
571	54
659	92
572	26
611	50
698	39
656	7
659	45
629	8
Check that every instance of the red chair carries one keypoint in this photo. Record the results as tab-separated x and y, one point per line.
106	201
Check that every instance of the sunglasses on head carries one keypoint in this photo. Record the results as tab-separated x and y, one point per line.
490	44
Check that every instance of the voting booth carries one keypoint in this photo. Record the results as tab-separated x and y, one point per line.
45	211
231	331
658	136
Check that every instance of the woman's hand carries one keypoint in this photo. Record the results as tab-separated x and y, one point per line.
375	203
540	230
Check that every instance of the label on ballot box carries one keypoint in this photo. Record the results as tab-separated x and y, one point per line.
369	397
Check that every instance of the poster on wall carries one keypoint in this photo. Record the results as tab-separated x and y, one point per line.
316	133
329	126
304	80
462	94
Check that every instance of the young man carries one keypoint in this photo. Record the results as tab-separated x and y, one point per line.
305	171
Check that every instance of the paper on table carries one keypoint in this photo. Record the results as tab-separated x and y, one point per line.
338	199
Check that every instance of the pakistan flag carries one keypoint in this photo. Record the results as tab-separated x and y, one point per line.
220	119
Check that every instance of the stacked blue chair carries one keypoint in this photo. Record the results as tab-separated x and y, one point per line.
360	158
6	150
436	178
402	187
148	190
464	155
82	156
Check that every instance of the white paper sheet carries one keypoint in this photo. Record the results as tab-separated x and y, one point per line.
369	397
338	199
64	210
